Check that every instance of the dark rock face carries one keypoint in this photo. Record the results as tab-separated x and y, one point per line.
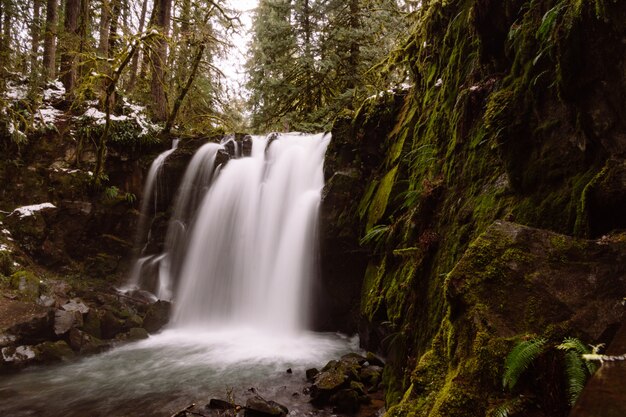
157	316
526	279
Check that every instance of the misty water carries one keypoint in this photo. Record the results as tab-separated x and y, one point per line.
239	262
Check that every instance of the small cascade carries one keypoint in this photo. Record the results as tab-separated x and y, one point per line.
194	185
151	192
251	254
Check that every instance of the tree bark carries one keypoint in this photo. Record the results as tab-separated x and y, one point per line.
35	30
163	10
70	46
84	26
49	43
135	62
105	25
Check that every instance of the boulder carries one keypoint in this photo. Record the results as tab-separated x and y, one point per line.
345	401
137	333
92	324
17	356
257	406
110	325
54	351
66	320
83	342
75	304
217	404
36	327
157	316
311	373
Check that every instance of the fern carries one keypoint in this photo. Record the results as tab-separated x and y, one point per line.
576	374
577	371
520	358
509	408
375	234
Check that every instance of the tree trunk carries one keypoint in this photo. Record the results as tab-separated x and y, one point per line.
105	25
115	18
35	29
84	26
159	58
49	43
135	62
5	45
70	46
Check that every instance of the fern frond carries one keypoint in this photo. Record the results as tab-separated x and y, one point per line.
576	374
509	408
520	358
375	234
572	344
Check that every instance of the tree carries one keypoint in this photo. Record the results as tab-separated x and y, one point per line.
70	45
49	44
162	15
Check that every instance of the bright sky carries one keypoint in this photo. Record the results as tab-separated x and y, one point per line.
232	64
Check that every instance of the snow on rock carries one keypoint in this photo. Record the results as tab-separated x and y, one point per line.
56	91
5	232
16	91
4	248
47	115
30	210
97	115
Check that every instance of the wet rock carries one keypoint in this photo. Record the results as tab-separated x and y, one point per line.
371	375
289	371
85	343
311	373
246	145
353	359
372	359
17	356
133	321
157	316
66	320
137	333
92	324
217	404
110	325
257	406
54	351
345	401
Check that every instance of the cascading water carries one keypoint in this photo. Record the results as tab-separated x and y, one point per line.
242	271
251	255
151	191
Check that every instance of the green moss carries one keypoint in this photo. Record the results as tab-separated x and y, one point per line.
379	202
27	284
372	293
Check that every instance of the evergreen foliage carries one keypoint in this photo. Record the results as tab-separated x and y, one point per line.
311	59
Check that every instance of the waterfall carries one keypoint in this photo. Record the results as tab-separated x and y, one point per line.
251	254
150	195
193	187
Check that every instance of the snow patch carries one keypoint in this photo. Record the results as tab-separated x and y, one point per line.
16	91
32	209
6	232
55	92
4	248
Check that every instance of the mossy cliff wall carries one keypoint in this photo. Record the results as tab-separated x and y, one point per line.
517	113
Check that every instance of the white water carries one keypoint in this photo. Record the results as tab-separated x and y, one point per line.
251	255
151	191
169	371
